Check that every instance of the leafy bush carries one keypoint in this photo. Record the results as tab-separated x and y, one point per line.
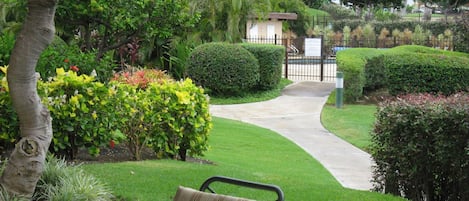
68	57
7	41
172	117
224	69
270	59
61	55
146	108
82	111
420	145
8	117
182	119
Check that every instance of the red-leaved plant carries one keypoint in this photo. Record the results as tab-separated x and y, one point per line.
141	78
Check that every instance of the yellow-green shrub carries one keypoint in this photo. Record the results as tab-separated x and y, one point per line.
171	117
181	117
82	113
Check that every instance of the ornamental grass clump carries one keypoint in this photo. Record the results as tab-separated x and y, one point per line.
63	182
421	147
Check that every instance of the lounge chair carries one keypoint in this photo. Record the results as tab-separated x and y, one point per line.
188	194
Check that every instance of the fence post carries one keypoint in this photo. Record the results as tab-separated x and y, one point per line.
285	42
322	58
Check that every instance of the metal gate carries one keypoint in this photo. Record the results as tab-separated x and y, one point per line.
297	66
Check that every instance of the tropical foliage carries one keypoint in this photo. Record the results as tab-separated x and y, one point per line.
143	110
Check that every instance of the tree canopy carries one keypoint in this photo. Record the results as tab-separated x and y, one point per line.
107	25
367	3
445	4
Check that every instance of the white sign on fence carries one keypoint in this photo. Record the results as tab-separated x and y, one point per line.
313	47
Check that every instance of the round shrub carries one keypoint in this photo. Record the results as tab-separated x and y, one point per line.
270	59
224	69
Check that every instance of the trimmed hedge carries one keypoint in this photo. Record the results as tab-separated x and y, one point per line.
270	59
225	69
421	147
352	63
431	73
403	69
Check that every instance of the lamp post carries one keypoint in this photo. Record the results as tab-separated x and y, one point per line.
339	85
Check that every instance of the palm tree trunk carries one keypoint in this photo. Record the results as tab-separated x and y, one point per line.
26	163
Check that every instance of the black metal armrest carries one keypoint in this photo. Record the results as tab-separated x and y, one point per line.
244	183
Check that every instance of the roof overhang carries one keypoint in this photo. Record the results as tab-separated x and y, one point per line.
280	16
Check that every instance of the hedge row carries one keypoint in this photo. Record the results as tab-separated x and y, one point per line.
170	117
404	69
418	73
232	70
421	147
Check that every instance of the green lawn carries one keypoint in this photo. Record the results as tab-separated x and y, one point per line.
353	123
316	12
238	150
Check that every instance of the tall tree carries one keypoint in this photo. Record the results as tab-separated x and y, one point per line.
26	162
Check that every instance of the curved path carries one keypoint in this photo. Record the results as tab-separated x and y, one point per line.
296	114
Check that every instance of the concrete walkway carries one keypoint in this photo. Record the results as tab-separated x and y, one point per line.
296	115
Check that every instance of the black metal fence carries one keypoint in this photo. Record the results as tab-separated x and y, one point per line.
297	66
